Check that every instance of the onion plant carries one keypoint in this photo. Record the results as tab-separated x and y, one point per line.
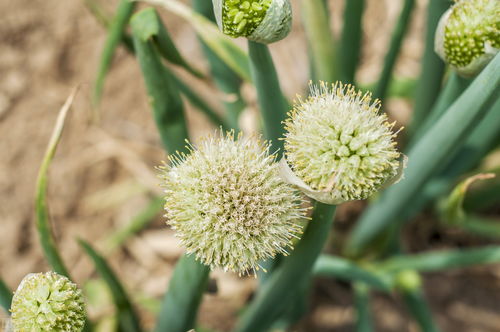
264	205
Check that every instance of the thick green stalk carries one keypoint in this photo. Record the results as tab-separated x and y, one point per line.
185	291
321	42
454	87
350	41
295	269
428	155
431	75
392	55
115	36
224	77
362	304
272	103
5	297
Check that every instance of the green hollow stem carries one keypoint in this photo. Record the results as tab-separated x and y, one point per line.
419	309
362	304
431	75
5	296
448	135
343	269
454	87
484	197
442	260
224	77
294	269
185	291
394	48
350	41
115	35
489	228
272	103
320	38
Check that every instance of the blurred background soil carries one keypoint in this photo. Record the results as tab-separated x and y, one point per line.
103	174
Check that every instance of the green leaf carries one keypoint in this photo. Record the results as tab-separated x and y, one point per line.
441	260
151	27
165	99
320	38
127	319
42	215
447	136
295	269
273	106
222	45
115	36
431	75
392	55
350	41
5	297
180	303
343	269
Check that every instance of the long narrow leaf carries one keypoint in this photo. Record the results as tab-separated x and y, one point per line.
294	270
222	45
115	35
42	214
273	106
5	296
350	41
180	304
431	76
339	268
320	38
127	318
444	138
168	109
442	260
392	54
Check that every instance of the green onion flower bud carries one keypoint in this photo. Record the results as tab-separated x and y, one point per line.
228	204
47	302
338	147
263	21
468	35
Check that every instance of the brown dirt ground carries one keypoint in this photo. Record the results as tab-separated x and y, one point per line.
104	174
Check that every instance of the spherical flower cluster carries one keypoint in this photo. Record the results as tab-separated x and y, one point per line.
338	147
264	21
228	204
468	35
47	302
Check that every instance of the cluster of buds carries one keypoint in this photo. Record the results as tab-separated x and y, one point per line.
263	21
468	35
338	146
47	302
229	205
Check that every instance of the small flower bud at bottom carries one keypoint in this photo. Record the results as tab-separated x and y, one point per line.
228	204
338	147
47	302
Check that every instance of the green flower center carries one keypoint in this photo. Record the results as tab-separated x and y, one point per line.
471	24
241	17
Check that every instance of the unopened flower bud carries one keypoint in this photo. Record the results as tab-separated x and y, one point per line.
468	35
47	302
338	147
228	204
263	21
